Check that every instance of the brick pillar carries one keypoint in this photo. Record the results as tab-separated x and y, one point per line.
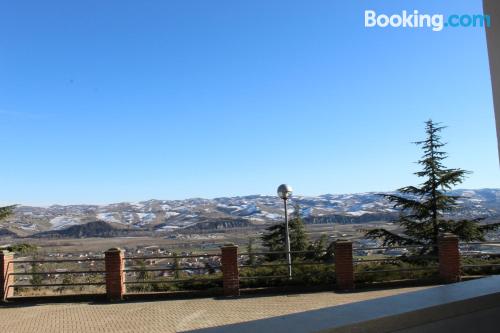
449	258
230	274
115	275
6	280
344	271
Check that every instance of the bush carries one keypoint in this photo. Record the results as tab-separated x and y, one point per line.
388	271
314	274
485	260
199	282
23	249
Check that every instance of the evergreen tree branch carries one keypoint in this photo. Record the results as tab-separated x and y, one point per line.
389	238
6	211
489	227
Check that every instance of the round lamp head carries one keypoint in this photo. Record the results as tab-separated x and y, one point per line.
285	191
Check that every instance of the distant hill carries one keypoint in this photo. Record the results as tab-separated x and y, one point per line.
87	230
4	232
229	212
219	224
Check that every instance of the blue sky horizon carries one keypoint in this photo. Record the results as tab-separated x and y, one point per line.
104	102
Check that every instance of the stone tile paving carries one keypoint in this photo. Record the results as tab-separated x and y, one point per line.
169	315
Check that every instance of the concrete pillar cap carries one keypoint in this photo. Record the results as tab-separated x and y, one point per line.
114	249
343	241
5	252
447	235
229	245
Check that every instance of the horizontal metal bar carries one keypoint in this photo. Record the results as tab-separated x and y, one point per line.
310	263
399	258
169	269
485	265
174	257
263	277
173	281
473	255
479	243
355	261
285	264
54	261
397	270
258	266
391	247
55	285
48	273
274	252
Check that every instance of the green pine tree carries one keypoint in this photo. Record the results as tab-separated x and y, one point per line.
318	249
250	250
144	276
423	208
36	279
176	267
6	211
275	235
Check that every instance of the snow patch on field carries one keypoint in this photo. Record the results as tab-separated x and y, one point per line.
146	216
166	207
357	213
61	222
468	194
137	205
108	217
169	227
306	212
272	216
29	227
170	214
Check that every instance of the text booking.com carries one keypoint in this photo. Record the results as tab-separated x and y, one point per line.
414	19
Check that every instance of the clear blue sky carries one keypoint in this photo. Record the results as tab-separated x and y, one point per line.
107	101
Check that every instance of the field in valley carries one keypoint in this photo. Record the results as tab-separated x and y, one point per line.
208	241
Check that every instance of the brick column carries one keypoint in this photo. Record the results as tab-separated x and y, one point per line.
449	258
6	280
344	271
230	274
115	275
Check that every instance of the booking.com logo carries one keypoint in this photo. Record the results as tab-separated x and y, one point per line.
436	22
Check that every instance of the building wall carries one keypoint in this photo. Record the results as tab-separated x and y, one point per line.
483	321
492	8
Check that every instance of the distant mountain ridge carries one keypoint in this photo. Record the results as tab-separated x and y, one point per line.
231	212
91	229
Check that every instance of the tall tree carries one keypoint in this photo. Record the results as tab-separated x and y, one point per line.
36	278
274	238
423	207
250	250
144	276
176	267
6	211
318	249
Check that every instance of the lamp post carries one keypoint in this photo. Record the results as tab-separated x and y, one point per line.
285	192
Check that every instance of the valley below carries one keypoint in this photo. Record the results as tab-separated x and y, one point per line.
203	225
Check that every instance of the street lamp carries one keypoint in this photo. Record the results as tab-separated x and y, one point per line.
285	192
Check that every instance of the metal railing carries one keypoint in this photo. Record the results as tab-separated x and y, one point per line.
171	273
271	269
143	275
406	266
479	259
32	277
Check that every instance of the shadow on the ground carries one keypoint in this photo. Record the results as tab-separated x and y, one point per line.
213	294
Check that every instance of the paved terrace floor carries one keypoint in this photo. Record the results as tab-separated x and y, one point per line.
169	315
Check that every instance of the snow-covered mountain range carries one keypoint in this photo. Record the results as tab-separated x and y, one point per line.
171	215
